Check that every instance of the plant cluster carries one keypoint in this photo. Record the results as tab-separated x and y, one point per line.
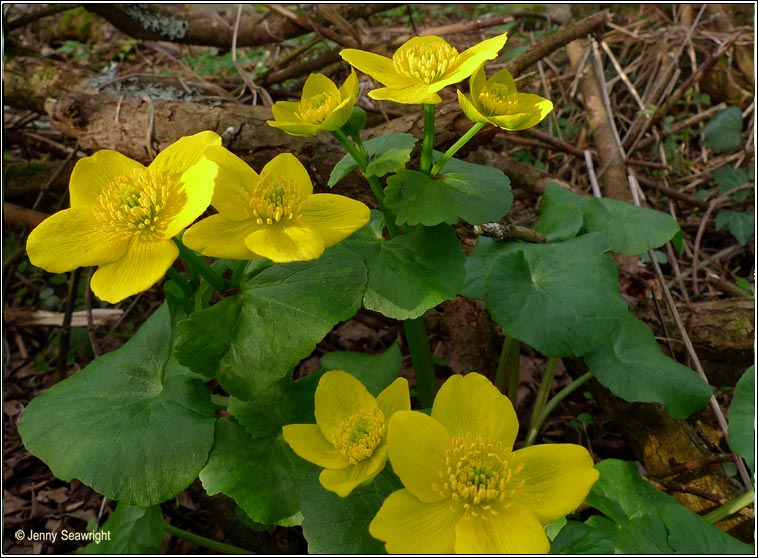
341	452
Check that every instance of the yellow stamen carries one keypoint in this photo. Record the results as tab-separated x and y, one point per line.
426	63
359	436
497	99
316	109
478	475
272	199
141	203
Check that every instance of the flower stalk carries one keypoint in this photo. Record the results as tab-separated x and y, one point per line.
427	150
542	395
197	265
463	140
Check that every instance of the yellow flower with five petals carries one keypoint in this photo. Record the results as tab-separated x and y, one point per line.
466	490
497	101
273	215
123	216
322	107
421	67
349	438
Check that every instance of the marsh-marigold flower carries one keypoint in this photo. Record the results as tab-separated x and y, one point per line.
322	107
349	438
274	215
421	67
123	216
466	490
496	100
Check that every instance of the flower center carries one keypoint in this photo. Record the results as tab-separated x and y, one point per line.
425	62
496	99
316	109
141	203
358	437
273	199
478	475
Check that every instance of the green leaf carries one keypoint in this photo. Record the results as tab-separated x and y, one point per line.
386	154
409	273
729	178
375	372
723	132
578	538
741	224
263	475
560	298
130	530
645	520
475	193
561	212
632	366
630	229
250	340
334	525
742	418
133	425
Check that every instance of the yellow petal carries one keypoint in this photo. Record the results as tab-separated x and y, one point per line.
91	175
308	442
317	84
378	67
470	110
512	531
477	82
503	77
530	110
339	396
413	95
395	397
335	217
197	183
479	53
233	182
219	237
472	404
351	87
286	166
343	481
409	526
143	265
281	242
556	479
299	129
417	445
72	238
178	157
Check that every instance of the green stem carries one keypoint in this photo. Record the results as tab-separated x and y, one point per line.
463	140
358	153
221	401
427	150
203	541
423	363
238	273
731	507
537	423
181	282
196	264
507	375
543	392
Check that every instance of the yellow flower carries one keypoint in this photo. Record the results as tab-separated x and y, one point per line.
123	215
274	215
498	102
421	67
349	438
466	490
321	107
